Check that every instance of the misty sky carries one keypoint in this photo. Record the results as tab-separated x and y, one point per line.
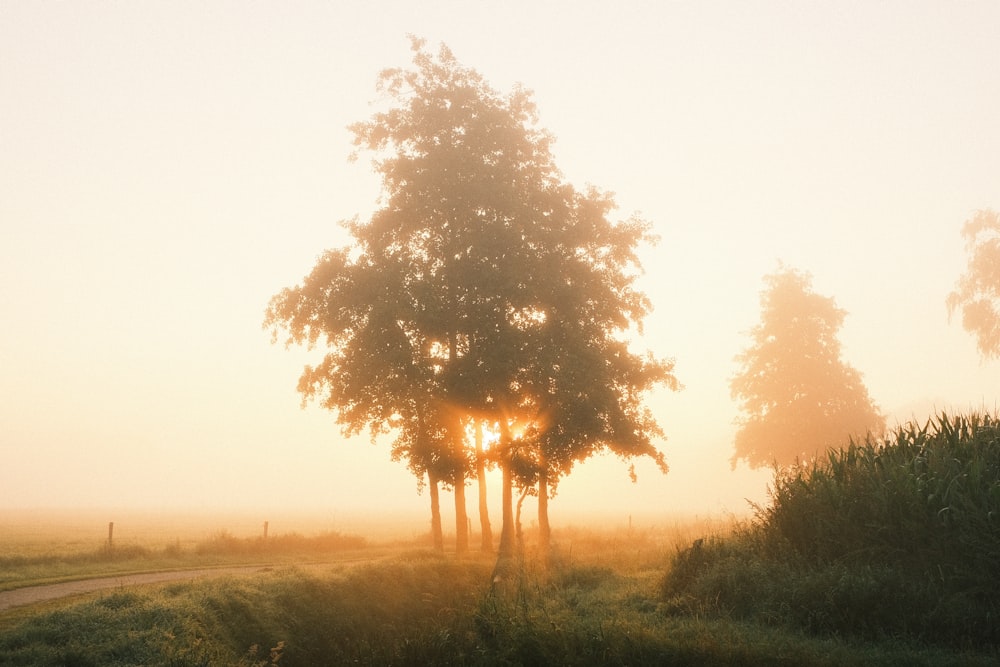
165	167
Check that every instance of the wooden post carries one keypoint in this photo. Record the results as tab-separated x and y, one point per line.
111	535
265	531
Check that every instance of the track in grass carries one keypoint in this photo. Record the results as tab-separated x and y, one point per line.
34	594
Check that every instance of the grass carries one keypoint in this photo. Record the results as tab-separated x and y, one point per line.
891	537
219	550
885	553
425	608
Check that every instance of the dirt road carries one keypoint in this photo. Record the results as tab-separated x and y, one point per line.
34	594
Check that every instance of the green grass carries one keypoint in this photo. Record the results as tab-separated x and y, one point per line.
896	537
599	603
886	553
219	550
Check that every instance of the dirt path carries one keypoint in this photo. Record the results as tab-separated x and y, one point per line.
34	594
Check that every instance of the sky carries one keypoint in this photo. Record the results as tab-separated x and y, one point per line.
166	167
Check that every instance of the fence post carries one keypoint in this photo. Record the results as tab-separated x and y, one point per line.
111	535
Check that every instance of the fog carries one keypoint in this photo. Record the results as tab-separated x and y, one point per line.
166	167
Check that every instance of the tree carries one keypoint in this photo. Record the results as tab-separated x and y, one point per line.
977	293
374	374
465	173
471	294
797	395
584	390
485	528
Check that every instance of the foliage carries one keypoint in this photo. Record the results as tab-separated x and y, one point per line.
799	397
889	536
484	289
428	609
977	293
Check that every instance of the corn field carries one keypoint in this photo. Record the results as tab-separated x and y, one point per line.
892	535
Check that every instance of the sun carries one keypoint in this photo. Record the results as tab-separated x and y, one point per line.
491	436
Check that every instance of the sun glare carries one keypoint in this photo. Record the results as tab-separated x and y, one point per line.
491	432
491	436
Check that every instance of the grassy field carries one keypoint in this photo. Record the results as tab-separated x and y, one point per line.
45	548
887	553
599	603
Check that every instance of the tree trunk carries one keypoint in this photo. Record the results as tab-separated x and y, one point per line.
544	534
461	517
506	566
458	449
517	521
437	535
507	537
486	541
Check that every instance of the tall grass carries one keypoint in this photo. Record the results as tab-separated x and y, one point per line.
898	535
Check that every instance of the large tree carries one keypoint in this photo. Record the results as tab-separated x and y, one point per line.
977	293
797	395
472	293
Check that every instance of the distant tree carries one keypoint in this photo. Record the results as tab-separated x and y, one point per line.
473	294
797	395
977	293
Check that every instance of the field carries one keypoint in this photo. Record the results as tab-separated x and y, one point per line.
44	547
885	554
599	604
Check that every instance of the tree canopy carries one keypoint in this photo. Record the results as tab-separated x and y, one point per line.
797	395
977	294
484	289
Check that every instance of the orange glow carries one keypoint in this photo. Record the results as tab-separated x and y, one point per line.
491	433
152	204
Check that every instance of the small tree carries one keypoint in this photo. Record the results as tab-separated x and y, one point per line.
798	396
977	293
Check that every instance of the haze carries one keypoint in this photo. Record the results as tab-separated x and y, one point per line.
166	167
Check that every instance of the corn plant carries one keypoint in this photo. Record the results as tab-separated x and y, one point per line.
914	515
